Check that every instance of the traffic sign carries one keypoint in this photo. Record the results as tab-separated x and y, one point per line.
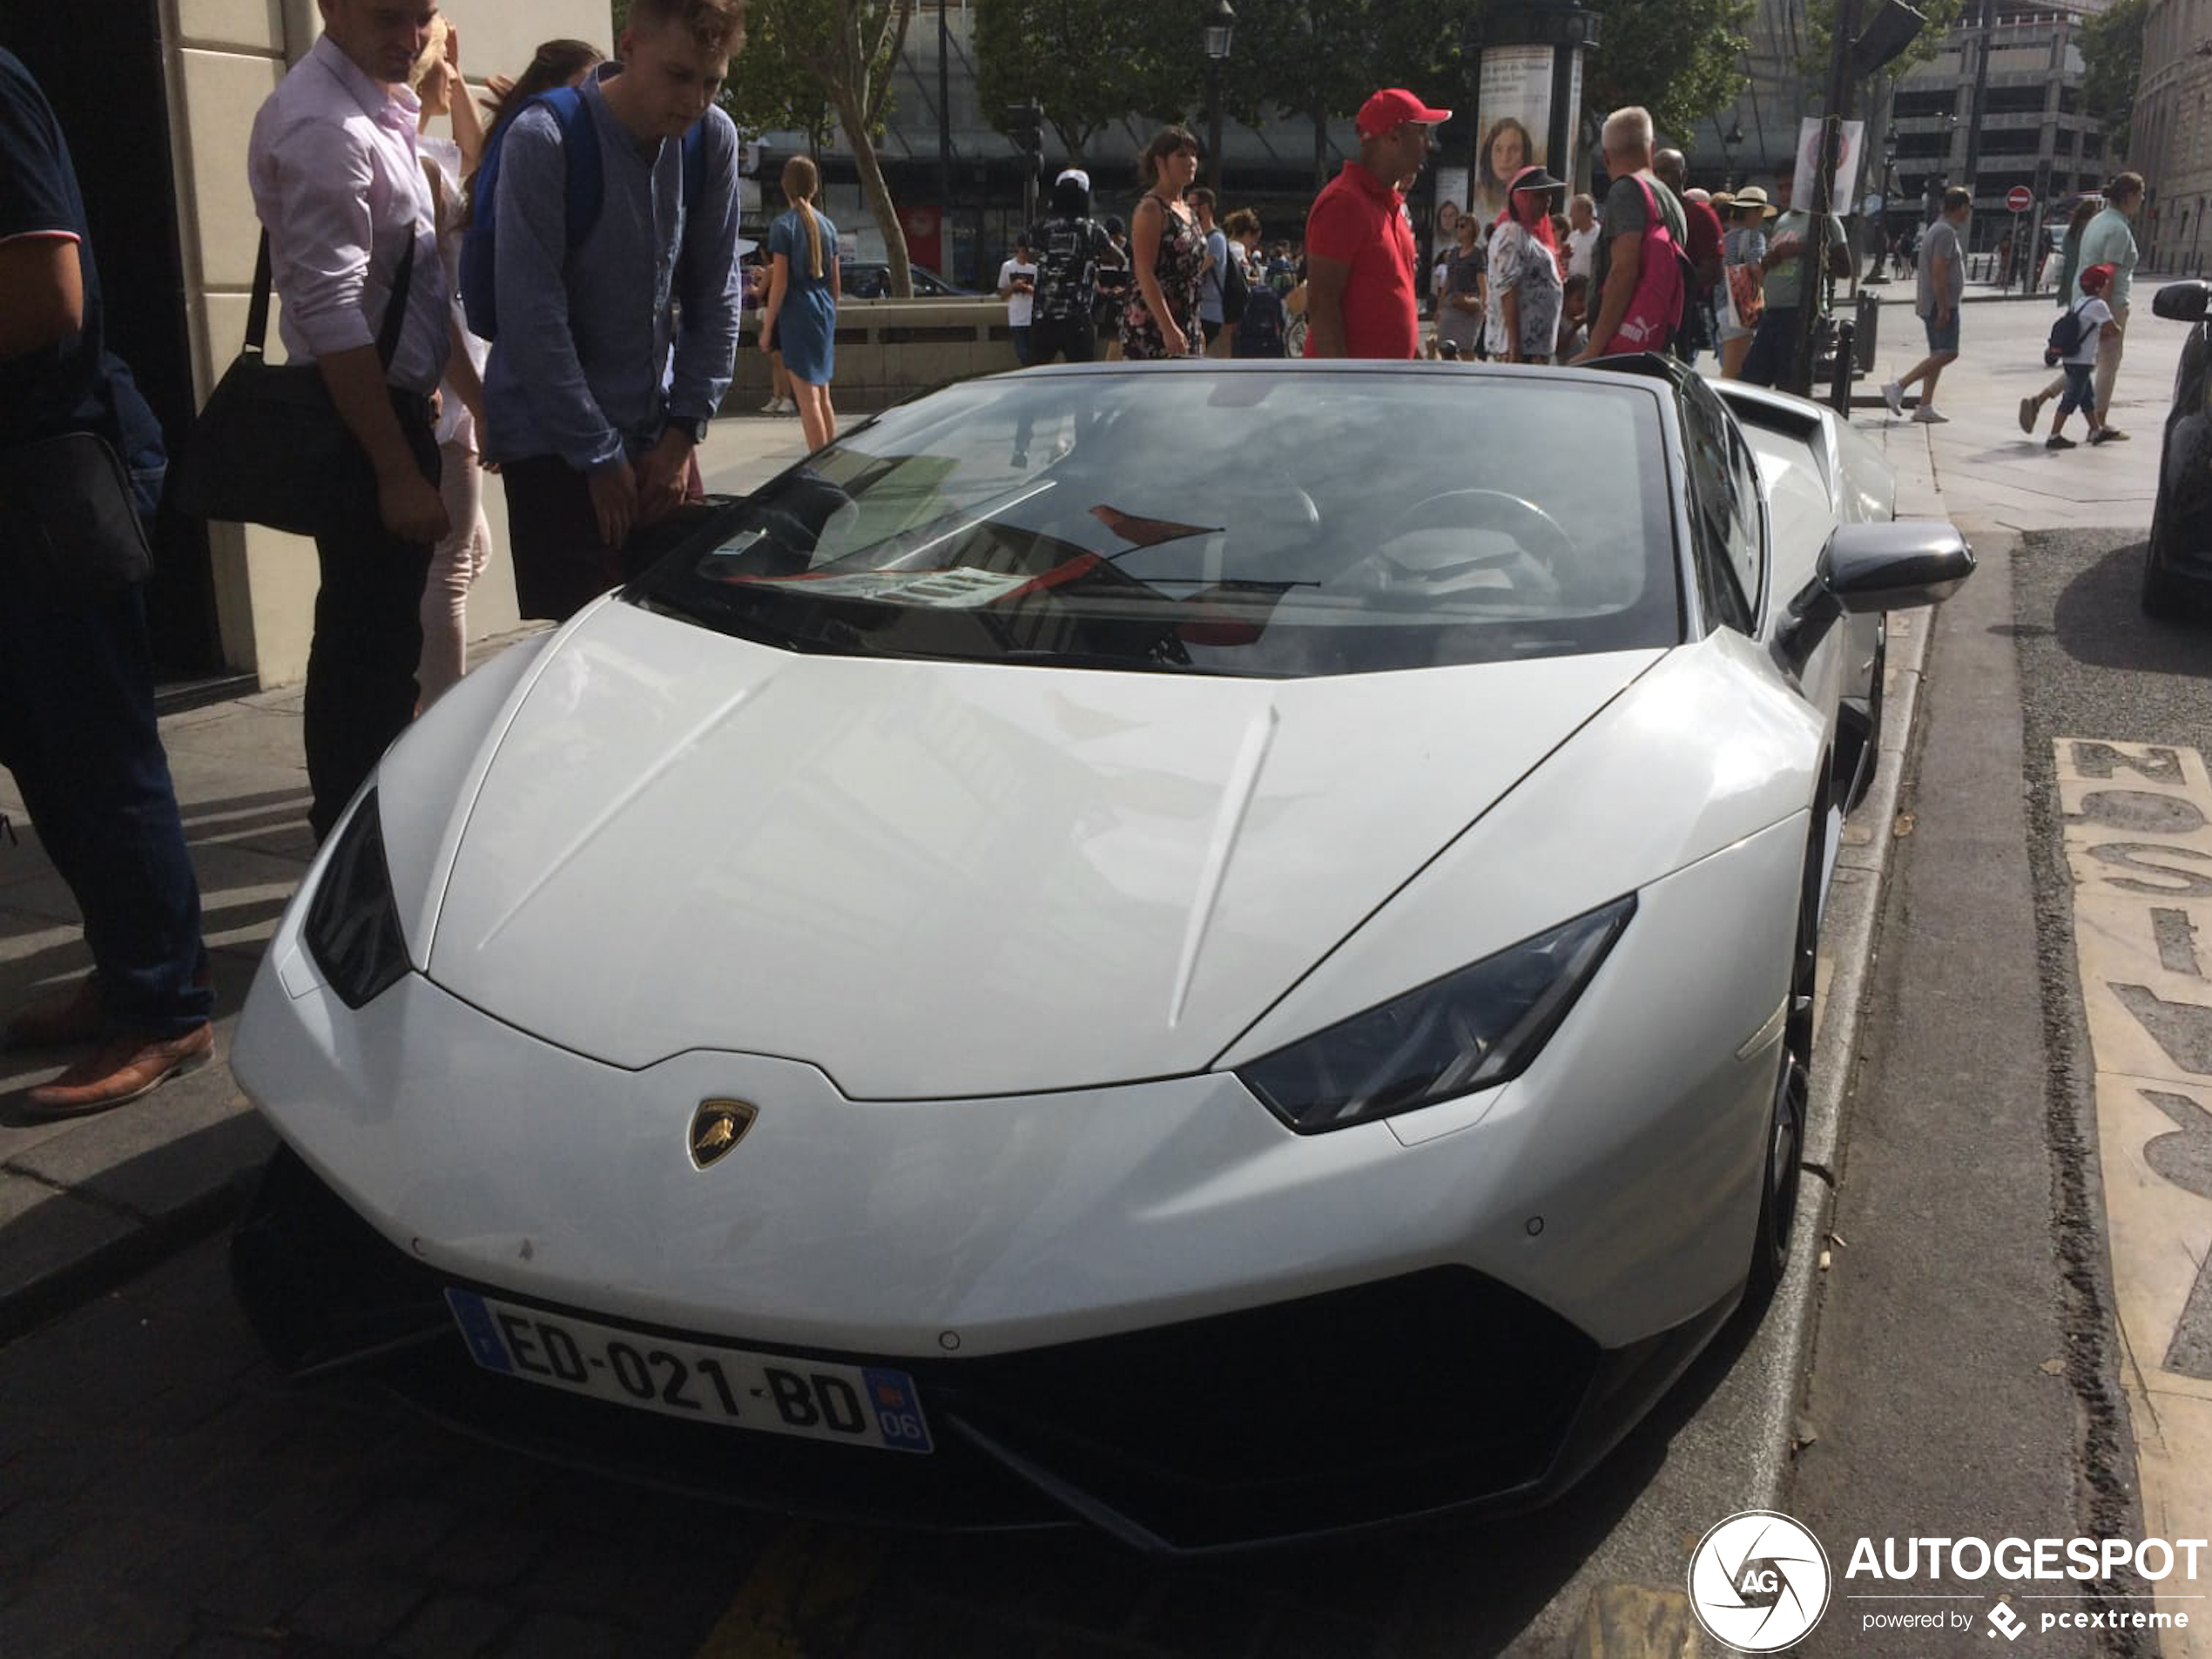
2019	198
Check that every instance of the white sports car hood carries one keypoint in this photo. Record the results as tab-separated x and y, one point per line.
938	880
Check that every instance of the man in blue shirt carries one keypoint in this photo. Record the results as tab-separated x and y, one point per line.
1209	311
76	720
613	354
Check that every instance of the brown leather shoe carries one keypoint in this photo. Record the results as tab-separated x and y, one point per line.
61	1019
119	1069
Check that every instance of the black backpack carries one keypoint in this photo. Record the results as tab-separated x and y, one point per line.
2065	333
1235	290
1259	333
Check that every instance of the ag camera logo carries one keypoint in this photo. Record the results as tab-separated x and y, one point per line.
1758	1582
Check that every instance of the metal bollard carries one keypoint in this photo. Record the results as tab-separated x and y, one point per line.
1839	388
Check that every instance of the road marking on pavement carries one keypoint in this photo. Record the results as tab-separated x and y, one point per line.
803	1596
1636	1622
2137	825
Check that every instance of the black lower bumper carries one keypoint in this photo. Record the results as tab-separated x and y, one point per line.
1438	1390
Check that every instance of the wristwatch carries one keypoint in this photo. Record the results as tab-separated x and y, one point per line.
691	427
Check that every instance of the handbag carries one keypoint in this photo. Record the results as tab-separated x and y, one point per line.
1744	296
269	442
68	522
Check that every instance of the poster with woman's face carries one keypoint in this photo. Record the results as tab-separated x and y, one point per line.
1515	115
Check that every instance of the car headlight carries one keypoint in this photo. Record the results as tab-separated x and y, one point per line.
1474	1029
353	926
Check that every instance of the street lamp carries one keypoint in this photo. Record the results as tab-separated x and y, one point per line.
1889	184
1221	22
1731	141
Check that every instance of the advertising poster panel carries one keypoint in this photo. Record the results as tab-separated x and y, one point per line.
1846	166
1514	107
1451	202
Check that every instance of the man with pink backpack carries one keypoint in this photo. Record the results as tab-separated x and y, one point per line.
1640	280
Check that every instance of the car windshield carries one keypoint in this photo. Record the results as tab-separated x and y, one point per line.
1277	522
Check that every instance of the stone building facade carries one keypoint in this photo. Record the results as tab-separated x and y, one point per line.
2172	136
2000	104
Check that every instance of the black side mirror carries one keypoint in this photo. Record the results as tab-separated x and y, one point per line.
2182	302
1895	566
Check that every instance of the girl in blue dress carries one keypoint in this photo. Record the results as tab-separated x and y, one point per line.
803	291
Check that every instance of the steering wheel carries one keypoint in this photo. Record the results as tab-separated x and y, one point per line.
1490	509
1543	551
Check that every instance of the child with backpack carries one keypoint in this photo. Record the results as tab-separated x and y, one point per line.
2073	343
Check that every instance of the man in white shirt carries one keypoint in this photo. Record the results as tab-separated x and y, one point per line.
1018	287
1582	236
339	188
2110	239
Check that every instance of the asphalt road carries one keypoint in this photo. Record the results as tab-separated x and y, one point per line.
1967	1380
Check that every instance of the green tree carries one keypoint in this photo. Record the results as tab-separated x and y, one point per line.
848	49
1817	41
1321	60
1087	61
2112	59
805	61
1680	60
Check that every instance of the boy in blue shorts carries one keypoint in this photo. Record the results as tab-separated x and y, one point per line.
2080	363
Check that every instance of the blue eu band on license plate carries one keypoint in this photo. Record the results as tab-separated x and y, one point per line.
814	1400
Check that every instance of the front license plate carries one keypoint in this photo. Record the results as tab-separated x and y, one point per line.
813	1399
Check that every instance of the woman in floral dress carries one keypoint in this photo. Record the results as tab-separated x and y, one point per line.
1167	254
1523	321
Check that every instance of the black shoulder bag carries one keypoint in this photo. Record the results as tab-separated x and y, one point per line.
269	442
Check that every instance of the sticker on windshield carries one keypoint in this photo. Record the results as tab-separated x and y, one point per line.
945	589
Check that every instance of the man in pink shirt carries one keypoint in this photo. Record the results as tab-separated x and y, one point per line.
340	192
1359	247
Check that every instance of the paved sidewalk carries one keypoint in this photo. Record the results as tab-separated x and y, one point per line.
1989	475
86	1201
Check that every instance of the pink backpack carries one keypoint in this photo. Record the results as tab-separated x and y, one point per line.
1654	309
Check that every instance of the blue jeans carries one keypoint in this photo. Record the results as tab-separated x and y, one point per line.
2081	388
77	729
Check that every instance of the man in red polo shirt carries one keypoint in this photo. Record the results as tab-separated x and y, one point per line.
1359	247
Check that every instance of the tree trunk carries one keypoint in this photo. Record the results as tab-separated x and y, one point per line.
879	196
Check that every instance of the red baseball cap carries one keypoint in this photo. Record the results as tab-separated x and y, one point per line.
1393	107
2098	278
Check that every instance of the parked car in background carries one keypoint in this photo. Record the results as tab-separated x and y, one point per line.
2177	565
871	280
1136	944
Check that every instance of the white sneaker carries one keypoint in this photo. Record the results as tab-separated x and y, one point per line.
773	406
790	406
1926	415
1893	395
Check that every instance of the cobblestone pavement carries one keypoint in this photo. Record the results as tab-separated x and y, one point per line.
163	1494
